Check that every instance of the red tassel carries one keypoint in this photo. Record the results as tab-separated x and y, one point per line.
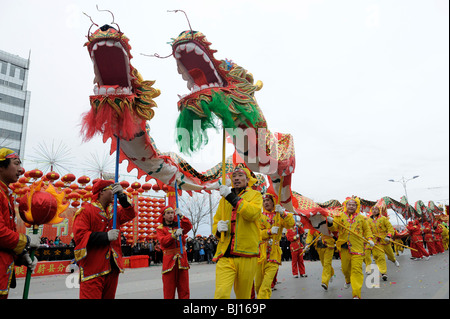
107	122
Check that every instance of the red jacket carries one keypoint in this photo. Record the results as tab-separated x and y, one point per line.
415	232
428	232
93	251
171	246
11	242
295	243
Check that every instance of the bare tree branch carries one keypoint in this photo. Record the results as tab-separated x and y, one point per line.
197	208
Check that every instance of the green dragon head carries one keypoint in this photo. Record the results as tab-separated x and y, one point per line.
219	89
117	84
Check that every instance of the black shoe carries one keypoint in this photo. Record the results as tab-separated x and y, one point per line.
324	286
384	276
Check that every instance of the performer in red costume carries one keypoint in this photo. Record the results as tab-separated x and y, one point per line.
294	235
98	250
428	232
438	238
415	232
175	269
13	245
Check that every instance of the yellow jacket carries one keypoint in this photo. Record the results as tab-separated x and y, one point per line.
272	253
325	240
381	227
356	223
444	230
244	220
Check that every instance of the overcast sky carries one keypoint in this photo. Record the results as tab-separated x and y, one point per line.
361	85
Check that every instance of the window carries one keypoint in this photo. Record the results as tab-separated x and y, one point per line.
22	73
11	117
12	70
3	66
10	134
12	100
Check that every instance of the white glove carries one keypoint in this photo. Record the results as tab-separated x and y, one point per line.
117	189
279	209
371	243
113	234
224	190
274	229
387	239
329	219
270	242
179	232
30	263
178	212
35	240
222	226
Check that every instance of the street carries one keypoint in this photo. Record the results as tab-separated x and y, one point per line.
412	280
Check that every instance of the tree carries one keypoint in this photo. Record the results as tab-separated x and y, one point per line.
199	208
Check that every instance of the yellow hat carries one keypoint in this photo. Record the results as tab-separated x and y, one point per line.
7	153
358	204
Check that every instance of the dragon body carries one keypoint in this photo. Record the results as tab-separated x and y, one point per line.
220	92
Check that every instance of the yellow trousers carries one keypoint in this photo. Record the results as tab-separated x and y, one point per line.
380	260
398	248
238	271
352	270
445	242
264	278
326	257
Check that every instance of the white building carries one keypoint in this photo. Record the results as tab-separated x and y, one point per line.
14	101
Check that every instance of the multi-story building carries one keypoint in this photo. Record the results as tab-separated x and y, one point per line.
14	101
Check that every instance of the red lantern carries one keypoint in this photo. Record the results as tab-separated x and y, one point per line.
156	188
124	184
75	204
35	173
52	176
59	184
23	180
74	186
68	178
83	180
135	185
146	186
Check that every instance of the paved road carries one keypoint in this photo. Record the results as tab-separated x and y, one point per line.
412	280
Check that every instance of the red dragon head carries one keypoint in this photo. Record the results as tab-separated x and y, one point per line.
122	100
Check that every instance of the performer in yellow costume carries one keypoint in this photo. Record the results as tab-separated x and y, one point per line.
444	235
383	231
325	248
273	219
351	244
238	217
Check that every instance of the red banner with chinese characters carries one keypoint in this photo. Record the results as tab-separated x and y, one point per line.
45	268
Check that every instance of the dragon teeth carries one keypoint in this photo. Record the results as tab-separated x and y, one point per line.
190	47
105	90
